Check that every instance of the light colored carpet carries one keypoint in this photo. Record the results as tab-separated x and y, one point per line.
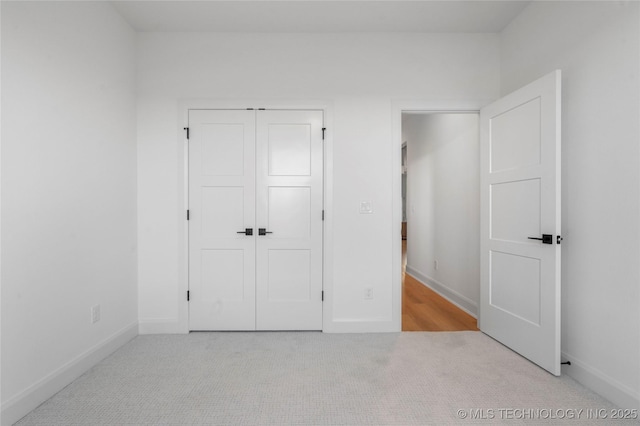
304	378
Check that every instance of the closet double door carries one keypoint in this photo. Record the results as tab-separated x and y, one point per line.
255	219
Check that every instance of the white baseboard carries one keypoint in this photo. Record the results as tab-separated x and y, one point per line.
360	326
162	326
29	399
462	302
600	383
172	326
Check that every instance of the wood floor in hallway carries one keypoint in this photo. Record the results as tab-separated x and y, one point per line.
425	310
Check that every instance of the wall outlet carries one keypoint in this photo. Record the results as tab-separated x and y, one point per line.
95	314
435	265
366	207
368	293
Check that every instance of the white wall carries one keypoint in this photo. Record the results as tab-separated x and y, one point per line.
597	46
68	194
443	204
358	76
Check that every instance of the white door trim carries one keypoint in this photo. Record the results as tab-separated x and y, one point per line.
397	108
181	324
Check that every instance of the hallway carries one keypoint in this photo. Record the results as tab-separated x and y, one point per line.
425	310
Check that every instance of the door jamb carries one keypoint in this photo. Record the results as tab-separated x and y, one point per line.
397	108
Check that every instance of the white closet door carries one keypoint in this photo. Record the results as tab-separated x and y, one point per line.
222	204
289	200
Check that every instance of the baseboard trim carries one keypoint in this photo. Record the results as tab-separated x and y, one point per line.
173	326
361	326
162	326
600	383
26	401
462	302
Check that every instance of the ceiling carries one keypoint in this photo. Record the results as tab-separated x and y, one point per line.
319	16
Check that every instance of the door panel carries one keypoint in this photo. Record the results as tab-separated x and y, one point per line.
289	277
289	213
289	147
223	146
222	211
515	285
515	210
520	199
522	124
221	203
222	275
289	176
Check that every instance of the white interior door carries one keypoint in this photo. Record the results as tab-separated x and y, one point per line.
289	194
221	204
258	170
520	200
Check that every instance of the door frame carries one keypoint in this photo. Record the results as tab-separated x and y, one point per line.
397	108
183	107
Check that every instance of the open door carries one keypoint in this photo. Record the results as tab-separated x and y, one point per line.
520	221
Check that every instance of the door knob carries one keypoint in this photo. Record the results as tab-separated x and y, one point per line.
546	238
247	231
263	231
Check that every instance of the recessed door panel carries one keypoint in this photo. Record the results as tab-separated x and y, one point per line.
515	210
289	212
515	285
222	211
223	276
289	149
515	137
289	276
223	149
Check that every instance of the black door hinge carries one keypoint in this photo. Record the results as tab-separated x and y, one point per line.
187	129
323	129
187	295
322	214
187	214
322	295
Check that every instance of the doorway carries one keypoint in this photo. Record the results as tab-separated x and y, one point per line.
440	220
255	221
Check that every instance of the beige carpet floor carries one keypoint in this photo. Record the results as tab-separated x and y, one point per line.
305	378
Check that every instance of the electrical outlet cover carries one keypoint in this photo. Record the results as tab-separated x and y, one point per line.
366	207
